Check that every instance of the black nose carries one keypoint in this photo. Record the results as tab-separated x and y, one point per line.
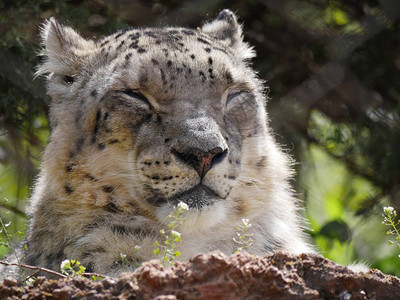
201	161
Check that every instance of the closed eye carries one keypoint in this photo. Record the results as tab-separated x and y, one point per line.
234	94
137	95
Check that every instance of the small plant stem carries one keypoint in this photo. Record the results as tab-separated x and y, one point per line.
32	275
40	269
9	240
393	225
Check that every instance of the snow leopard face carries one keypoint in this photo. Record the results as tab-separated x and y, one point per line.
144	119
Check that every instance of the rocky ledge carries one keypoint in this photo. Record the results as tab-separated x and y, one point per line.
217	276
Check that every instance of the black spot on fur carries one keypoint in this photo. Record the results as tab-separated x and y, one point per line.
203	41
166	140
141	50
203	76
208	50
134	45
232	177
119	34
111	207
108	189
154	61
101	146
210	61
192	56
169	63
210	71
113	141
128	56
79	144
134	36
151	34
90	177
188	32
71	154
93	93
68	189
173	31
120	45
104	43
98	116
155	177
69	167
164	80
228	77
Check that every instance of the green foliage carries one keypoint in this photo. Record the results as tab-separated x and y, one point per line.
132	261
72	268
389	219
168	249
244	239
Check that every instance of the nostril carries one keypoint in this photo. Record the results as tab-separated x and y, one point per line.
219	157
201	161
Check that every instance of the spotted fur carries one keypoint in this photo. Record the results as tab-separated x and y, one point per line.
143	119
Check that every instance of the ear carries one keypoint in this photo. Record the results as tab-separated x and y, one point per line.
226	28
64	49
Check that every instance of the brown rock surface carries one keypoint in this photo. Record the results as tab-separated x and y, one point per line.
217	276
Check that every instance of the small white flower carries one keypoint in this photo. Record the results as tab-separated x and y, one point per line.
175	233
388	210
183	206
64	264
122	256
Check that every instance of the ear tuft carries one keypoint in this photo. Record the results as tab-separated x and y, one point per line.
63	48
227	29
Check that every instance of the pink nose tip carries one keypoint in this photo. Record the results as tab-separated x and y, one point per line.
202	161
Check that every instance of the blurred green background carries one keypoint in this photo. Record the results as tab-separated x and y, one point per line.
333	72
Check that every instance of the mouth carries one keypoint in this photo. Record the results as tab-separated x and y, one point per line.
197	197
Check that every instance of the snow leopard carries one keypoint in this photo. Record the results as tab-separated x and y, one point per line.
145	119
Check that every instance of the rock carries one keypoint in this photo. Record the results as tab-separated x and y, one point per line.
217	276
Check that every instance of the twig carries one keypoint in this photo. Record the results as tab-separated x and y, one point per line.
30	276
40	269
34	268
